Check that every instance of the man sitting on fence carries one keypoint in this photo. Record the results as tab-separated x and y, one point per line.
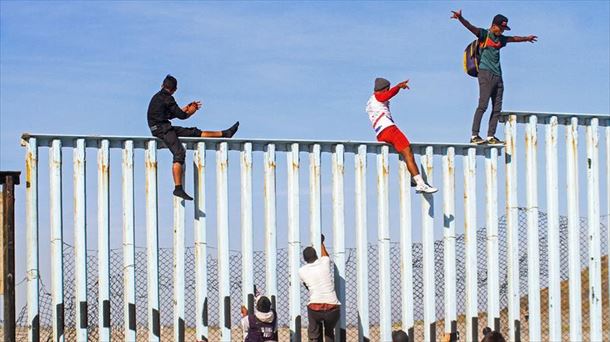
162	108
323	309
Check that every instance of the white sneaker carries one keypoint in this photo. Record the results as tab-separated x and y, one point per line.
425	189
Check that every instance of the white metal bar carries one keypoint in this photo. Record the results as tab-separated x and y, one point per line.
362	244
80	239
449	240
470	241
315	205
247	276
491	198
294	242
427	214
512	229
270	224
383	243
573	231
595	276
56	227
178	250
31	209
406	248
152	241
608	188
201	263
339	235
552	200
222	226
129	252
103	238
533	259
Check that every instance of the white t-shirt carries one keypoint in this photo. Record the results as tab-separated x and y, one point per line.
319	280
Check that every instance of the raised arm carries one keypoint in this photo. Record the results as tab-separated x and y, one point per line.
324	251
458	15
518	39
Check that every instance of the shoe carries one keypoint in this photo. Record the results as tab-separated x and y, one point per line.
494	141
425	189
230	132
179	192
477	140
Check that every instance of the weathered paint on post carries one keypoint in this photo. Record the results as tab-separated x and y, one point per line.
294	242
338	168
31	221
270	224
80	239
470	241
362	271
427	214
103	236
552	210
491	218
222	232
593	206
178	266
608	183
129	252
448	189
247	254
152	241
57	254
573	230
201	242
533	259
383	243
512	229
406	249
315	205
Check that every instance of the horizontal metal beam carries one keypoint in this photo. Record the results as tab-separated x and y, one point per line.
563	118
281	145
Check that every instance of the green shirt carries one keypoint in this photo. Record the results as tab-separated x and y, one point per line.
490	55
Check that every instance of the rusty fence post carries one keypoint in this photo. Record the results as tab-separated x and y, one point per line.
8	179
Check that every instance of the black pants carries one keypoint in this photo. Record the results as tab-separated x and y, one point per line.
169	135
490	86
322	319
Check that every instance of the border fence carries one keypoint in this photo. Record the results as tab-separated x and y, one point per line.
375	301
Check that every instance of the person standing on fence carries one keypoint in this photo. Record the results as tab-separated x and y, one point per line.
260	325
378	109
162	108
323	309
491	85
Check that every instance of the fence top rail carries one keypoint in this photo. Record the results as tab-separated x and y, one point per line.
257	144
563	118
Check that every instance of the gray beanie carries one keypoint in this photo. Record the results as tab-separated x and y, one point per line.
381	83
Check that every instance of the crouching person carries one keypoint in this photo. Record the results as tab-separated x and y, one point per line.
260	325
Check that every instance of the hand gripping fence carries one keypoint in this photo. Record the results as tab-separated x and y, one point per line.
443	274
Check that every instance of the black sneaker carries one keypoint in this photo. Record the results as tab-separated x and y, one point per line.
494	141
230	132
477	140
179	192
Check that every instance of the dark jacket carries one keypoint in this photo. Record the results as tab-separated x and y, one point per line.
162	108
260	331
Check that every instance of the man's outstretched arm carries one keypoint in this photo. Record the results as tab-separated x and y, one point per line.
458	15
518	39
324	251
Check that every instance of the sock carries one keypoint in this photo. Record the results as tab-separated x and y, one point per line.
419	180
229	132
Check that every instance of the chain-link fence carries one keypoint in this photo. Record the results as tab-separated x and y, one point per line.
166	287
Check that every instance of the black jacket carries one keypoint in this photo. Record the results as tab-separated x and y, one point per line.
162	108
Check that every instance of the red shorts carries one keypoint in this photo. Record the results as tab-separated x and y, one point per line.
393	136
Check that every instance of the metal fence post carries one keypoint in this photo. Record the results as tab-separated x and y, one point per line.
80	239
129	253
7	220
470	241
294	242
222	232
315	205
339	235
57	254
201	253
491	198
178	265
362	244
595	275
103	239
573	230
31	212
152	241
427	213
270	224
247	255
383	233
449	240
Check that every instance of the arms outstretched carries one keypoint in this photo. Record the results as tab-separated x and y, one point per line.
518	39
458	15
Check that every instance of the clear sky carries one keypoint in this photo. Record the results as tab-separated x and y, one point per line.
294	70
